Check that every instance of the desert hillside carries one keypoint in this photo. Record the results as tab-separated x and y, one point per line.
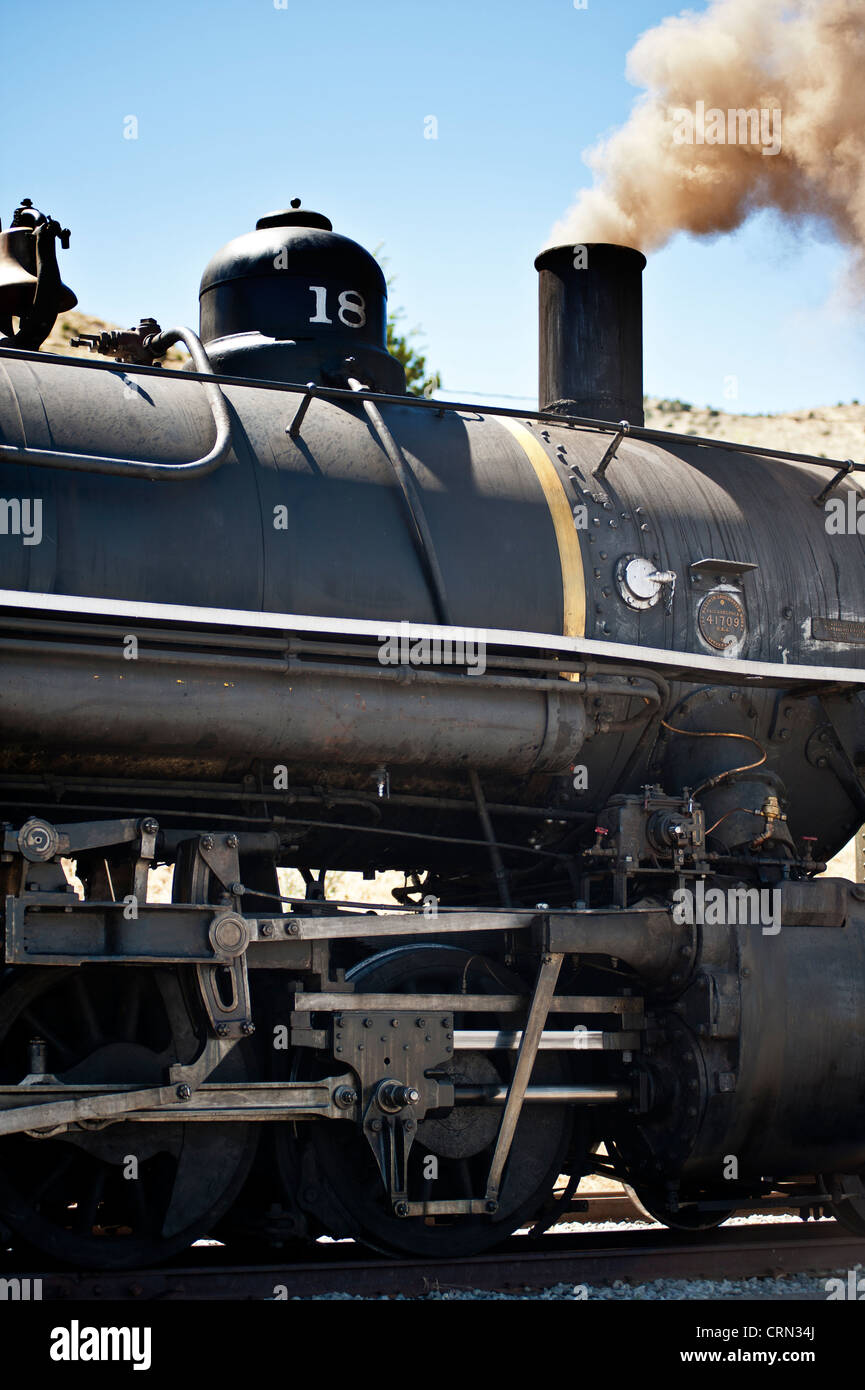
830	431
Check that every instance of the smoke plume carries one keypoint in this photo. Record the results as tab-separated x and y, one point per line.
803	60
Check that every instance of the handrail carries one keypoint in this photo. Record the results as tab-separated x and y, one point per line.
134	468
337	393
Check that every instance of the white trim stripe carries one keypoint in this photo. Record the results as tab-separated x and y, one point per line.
383	628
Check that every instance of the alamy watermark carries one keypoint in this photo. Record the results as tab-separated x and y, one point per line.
851	1290
845	514
404	646
22	516
736	126
742	907
20	1290
77	1343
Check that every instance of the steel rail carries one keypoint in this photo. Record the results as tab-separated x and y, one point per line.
210	1273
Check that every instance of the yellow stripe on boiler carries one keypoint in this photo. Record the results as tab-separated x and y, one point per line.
570	555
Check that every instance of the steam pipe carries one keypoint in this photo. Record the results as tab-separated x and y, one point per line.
134	468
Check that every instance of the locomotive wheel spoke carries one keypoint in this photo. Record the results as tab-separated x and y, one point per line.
464	1178
128	1015
87	1012
126	1193
54	1175
142	1206
39	1029
85	1215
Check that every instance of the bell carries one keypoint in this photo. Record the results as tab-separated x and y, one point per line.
18	274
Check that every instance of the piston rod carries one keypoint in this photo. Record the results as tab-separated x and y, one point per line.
545	1095
576	1039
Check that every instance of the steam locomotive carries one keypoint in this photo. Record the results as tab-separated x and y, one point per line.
594	690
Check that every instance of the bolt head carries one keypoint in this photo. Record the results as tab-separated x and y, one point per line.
207	842
375	1126
420	1023
231	841
222	1030
401	1209
492	1207
293	929
247	1028
183	1092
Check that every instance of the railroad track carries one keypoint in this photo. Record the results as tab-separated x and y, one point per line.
584	1258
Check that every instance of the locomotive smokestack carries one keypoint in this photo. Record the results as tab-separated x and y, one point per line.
591	331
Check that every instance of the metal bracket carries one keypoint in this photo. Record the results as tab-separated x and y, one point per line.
600	471
38	840
294	428
148	830
830	487
225	994
392	1052
220	854
390	1137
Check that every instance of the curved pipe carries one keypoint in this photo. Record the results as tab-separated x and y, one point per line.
421	533
101	463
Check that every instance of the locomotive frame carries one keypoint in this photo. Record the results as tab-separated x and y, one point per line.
536	994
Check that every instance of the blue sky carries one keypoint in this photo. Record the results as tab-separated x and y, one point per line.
242	105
